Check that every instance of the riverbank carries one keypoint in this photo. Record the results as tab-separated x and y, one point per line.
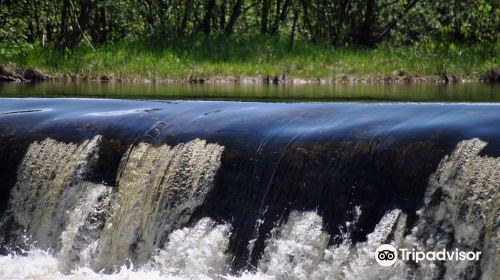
251	61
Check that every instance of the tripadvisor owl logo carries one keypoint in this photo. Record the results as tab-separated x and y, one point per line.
386	255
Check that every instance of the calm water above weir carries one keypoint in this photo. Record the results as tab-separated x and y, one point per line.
419	93
173	189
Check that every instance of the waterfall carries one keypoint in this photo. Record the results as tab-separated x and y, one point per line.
356	261
143	227
49	183
158	188
298	250
462	210
190	253
79	239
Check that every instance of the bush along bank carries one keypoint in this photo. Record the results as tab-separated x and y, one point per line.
252	61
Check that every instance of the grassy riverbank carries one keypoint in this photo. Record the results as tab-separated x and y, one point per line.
257	57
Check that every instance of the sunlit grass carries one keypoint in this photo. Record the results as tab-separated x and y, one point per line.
202	57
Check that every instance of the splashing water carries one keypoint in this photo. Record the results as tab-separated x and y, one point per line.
139	228
82	233
195	252
49	183
296	247
158	190
462	208
191	253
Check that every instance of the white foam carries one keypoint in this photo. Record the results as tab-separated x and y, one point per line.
197	252
296	249
191	253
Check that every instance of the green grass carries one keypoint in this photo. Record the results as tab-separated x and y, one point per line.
202	57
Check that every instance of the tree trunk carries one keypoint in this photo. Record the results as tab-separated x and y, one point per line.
391	24
322	21
208	17
100	28
148	5
281	14
63	28
83	18
235	14
294	25
307	20
162	7
51	21
69	39
222	20
342	22
38	28
284	11
274	27
187	12
266	5
366	28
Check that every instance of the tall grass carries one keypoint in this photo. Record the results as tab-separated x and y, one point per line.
201	57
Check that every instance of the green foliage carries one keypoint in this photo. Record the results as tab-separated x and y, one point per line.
65	23
259	55
200	38
453	21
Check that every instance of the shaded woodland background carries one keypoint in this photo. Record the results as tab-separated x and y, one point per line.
63	24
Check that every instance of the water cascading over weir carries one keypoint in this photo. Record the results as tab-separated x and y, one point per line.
205	189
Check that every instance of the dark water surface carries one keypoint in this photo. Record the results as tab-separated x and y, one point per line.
251	122
450	93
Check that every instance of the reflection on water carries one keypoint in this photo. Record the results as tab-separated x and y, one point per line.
459	92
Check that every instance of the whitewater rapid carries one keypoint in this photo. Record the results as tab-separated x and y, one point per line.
68	227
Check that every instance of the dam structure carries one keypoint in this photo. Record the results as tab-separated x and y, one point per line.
114	189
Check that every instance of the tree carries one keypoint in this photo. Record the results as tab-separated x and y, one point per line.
67	23
206	25
235	14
